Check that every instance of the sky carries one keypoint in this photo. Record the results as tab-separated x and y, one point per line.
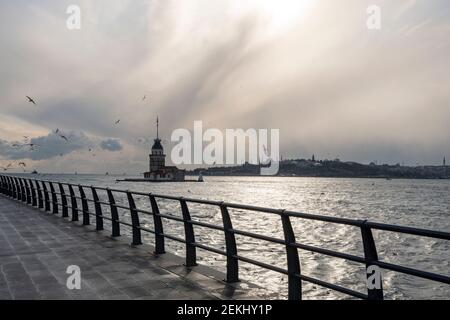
310	68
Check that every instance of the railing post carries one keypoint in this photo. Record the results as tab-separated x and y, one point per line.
7	188
46	197
371	256
24	190
28	191
65	211
73	204
16	188
157	223
293	261
84	206
33	193
16	192
54	198
23	196
114	214
98	210
191	252
2	186
39	193
20	193
230	243
11	187
137	240
5	185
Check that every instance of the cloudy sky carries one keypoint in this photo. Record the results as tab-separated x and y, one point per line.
311	68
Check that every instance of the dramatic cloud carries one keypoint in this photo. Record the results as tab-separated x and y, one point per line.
310	68
45	147
111	145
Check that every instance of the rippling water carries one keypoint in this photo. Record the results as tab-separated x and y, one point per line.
418	203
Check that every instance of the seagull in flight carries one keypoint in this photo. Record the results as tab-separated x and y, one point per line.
145	97
64	137
32	145
31	100
118	121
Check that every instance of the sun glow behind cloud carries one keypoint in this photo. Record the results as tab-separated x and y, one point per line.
282	14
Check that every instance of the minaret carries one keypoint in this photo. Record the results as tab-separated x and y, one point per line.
443	162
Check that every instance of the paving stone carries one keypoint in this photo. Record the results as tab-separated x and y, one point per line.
36	248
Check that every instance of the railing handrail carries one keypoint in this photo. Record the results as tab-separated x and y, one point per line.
308	216
23	189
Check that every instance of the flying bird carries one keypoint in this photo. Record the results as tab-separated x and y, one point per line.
117	122
64	137
57	130
145	97
31	100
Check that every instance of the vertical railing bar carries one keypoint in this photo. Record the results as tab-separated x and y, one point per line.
46	197
84	206
158	225
371	256
13	190
293	260
191	250
137	240
54	198
33	193
40	196
115	225
1	185
22	190
16	189
230	243
98	210
73	202
65	210
28	191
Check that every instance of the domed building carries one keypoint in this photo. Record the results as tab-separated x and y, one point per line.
159	172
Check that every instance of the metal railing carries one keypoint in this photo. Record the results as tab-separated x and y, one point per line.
43	194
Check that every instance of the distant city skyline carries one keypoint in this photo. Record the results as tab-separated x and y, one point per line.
311	69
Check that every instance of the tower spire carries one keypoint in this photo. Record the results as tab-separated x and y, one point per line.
157	128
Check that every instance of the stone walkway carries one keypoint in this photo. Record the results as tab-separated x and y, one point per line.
37	247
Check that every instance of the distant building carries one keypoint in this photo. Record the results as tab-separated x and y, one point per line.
443	162
158	171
